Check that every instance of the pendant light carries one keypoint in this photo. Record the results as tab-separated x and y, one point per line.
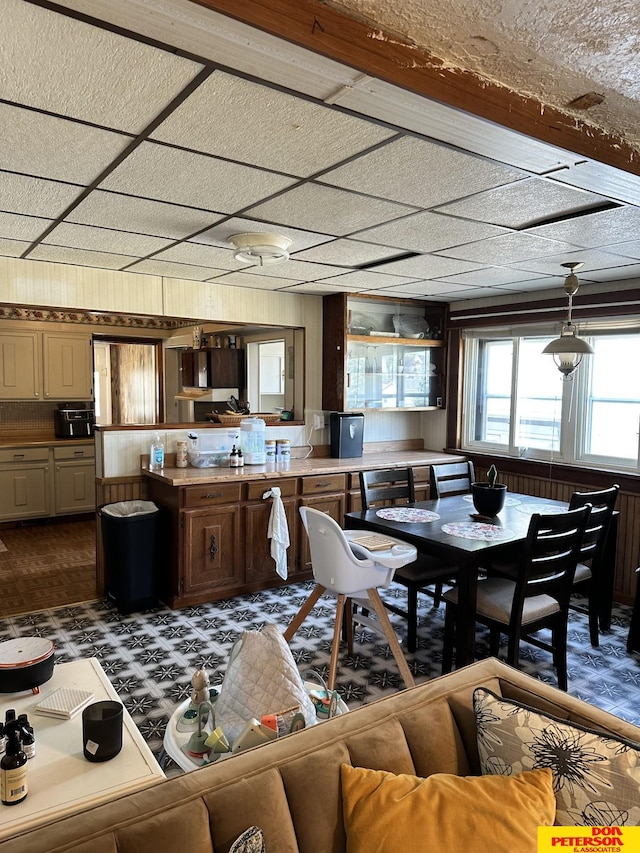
568	350
261	248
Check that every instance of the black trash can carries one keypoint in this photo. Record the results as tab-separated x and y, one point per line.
130	532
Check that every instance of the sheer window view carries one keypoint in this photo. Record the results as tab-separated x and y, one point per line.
516	400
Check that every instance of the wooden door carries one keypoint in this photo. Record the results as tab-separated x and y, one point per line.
68	366
333	505
20	360
259	562
212	558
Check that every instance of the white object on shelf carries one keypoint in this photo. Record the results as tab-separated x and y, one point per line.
65	702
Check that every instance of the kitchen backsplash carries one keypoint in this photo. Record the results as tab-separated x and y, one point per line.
29	416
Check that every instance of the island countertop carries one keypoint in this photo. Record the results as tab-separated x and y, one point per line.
298	467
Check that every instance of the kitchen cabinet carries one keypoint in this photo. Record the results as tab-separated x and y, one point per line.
45	365
211	552
213	367
25	483
376	354
260	565
74	478
325	493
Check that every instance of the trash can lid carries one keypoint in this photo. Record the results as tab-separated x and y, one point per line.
125	509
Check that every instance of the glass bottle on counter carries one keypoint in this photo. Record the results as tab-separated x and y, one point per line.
240	458
156	455
27	736
13	772
233	458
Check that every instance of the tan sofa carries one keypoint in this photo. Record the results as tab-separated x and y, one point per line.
291	787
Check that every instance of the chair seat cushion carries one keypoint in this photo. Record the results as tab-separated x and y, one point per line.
583	573
495	596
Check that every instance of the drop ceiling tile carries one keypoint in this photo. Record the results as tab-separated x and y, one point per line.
390	103
429	288
592	259
168	174
152	266
227	115
104	240
79	257
220	233
35	196
426	232
328	210
13	248
630	249
420	173
368	280
523	203
550	283
321	288
243	279
428	267
596	229
347	253
489	277
50	147
298	270
17	227
140	215
591	175
614	274
94	80
200	255
507	249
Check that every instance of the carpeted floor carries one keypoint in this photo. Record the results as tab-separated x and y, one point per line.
150	657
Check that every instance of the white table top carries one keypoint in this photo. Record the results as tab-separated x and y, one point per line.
61	780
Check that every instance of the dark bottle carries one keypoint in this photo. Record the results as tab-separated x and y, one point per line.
10	723
27	736
2	739
13	772
233	458
240	458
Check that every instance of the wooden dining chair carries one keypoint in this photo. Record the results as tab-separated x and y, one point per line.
451	478
537	598
396	486
591	567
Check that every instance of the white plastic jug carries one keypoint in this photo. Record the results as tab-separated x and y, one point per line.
252	437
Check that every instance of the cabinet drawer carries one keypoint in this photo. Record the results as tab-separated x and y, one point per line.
75	451
212	493
256	490
421	475
328	483
25	454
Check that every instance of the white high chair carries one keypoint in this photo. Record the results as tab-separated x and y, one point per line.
350	571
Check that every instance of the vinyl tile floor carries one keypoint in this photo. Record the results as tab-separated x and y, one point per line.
150	657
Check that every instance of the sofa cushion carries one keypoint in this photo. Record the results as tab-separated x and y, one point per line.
596	776
384	813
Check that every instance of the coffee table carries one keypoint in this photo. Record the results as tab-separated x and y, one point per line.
61	780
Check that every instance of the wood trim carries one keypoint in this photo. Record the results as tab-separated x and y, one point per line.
327	31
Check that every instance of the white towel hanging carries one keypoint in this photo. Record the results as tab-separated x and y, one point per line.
278	531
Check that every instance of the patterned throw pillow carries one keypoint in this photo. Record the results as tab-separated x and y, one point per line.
596	777
251	841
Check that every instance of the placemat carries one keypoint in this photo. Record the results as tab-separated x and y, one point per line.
508	501
474	530
542	508
406	513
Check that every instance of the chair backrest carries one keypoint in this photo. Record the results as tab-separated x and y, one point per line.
334	564
451	478
602	506
549	558
389	486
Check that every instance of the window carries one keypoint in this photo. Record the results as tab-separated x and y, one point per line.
516	402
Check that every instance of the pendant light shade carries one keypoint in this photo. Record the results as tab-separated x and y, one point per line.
568	350
261	248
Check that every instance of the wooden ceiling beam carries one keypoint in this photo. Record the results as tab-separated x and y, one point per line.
327	31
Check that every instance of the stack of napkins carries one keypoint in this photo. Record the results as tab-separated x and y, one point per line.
65	702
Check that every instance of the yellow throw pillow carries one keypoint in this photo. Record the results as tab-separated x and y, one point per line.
385	813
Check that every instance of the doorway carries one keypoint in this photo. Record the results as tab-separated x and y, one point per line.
128	381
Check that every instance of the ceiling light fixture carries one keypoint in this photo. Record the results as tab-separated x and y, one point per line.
260	248
568	350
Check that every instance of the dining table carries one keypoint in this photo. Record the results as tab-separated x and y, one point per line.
447	528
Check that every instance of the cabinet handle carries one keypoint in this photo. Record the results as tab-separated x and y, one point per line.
213	548
322	485
18	455
212	495
78	452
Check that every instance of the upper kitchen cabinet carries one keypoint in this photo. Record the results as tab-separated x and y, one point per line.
45	366
382	354
214	367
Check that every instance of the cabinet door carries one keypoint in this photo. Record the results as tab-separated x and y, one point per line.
334	506
68	366
260	563
226	368
24	491
75	486
212	558
20	359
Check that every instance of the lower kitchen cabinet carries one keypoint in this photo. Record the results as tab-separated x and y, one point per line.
25	483
212	555
326	494
75	477
260	565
